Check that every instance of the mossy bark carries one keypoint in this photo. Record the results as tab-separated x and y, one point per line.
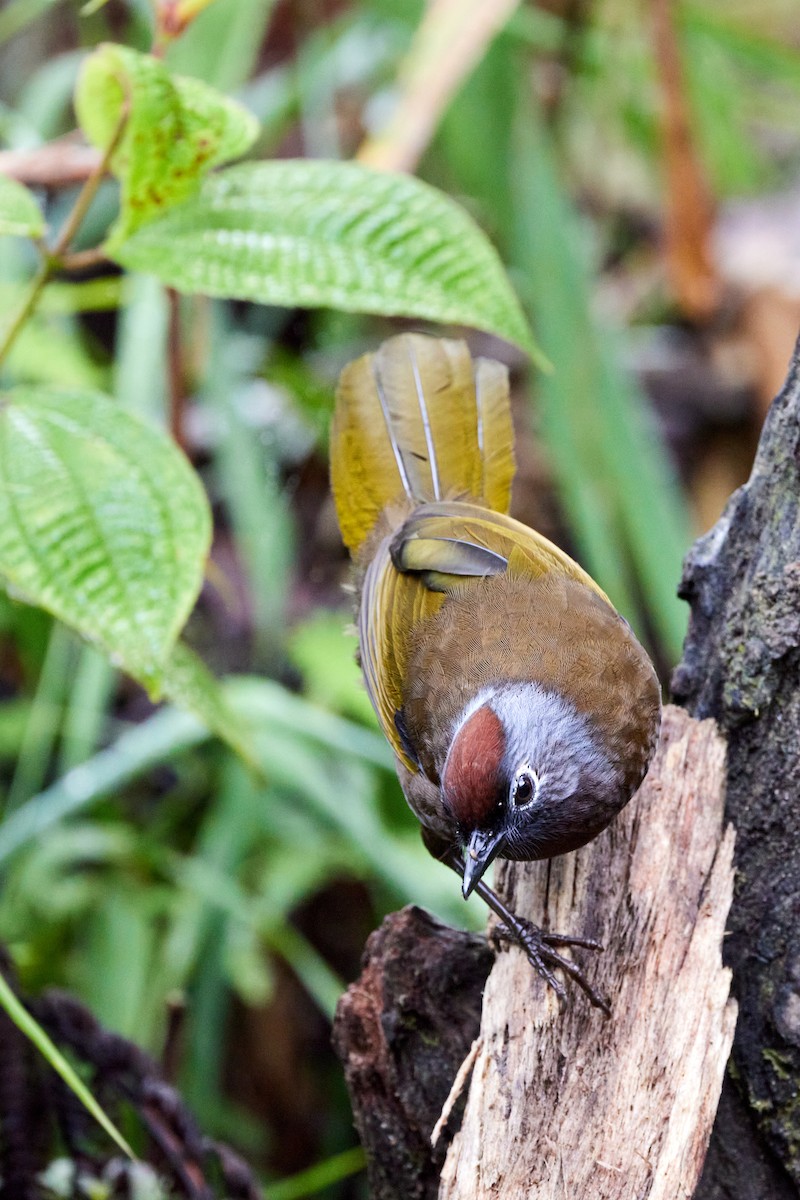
741	665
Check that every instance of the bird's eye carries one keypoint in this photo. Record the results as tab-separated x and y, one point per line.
524	788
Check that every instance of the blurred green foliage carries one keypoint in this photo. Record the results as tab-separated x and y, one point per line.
141	858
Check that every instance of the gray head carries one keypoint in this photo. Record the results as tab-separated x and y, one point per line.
526	777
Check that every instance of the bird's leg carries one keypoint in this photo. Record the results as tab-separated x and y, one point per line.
537	944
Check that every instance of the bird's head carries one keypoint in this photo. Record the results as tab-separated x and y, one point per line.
527	777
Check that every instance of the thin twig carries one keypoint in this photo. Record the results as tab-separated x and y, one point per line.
175	369
26	308
82	260
459	1083
54	260
89	190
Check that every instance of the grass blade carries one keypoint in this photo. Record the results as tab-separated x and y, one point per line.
623	503
49	1051
168	732
321	1175
41	728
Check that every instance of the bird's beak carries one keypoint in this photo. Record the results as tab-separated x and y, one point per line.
482	848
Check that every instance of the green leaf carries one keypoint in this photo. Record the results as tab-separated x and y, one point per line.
102	522
63	299
254	703
41	731
121	934
331	235
176	130
324	652
92	295
247	476
20	215
92	686
47	1048
268	705
140	372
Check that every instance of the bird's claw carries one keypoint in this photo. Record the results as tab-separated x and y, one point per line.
539	949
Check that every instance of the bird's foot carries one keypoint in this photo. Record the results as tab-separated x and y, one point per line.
538	945
539	949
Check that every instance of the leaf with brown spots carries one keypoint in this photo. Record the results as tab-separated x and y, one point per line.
177	130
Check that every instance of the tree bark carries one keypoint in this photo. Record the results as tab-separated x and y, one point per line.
741	665
402	1031
568	1102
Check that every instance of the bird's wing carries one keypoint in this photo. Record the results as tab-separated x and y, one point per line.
436	552
393	603
448	543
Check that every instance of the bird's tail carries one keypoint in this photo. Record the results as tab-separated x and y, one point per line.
419	420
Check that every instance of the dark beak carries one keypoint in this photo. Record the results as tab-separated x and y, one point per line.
482	848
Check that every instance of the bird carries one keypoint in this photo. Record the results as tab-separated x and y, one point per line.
521	708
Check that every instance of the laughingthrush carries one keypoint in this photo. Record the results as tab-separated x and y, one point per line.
522	710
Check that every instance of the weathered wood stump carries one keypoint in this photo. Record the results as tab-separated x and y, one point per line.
568	1103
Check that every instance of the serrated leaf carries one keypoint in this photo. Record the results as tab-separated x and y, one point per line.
102	522
20	215
332	235
176	130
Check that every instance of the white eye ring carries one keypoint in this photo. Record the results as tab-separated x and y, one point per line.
525	787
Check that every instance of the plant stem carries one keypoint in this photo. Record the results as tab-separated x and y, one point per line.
26	308
88	192
175	370
55	259
80	260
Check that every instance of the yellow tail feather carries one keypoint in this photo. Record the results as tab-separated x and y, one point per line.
420	420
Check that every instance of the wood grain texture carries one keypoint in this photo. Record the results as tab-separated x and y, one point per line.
570	1105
